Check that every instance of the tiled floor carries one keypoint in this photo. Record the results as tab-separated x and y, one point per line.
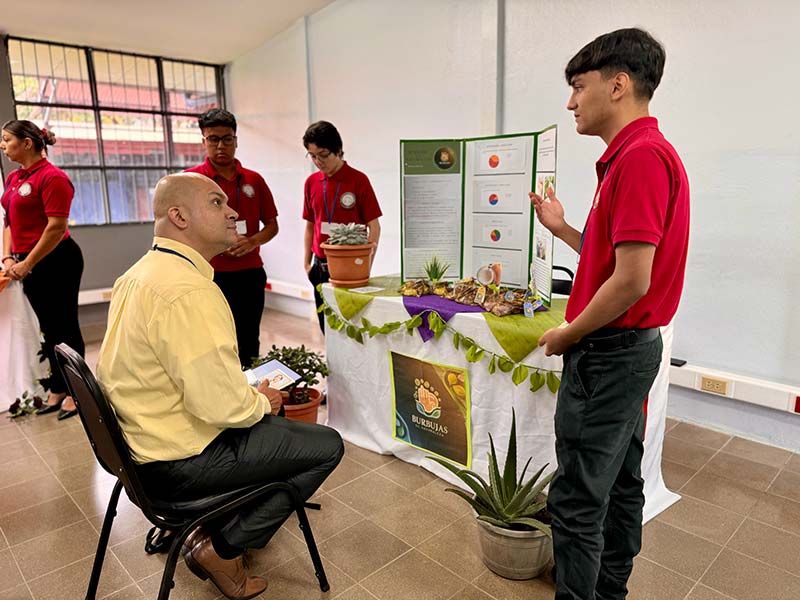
387	529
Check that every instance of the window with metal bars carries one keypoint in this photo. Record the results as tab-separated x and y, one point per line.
122	120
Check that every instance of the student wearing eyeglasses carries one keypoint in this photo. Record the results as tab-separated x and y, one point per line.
336	193
239	271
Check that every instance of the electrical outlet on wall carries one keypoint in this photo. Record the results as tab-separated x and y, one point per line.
715	385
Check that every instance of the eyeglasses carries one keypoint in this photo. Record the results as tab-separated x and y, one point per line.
214	140
320	156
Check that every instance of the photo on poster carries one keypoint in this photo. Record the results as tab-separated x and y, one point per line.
507	194
501	156
431	407
513	264
500	231
545	182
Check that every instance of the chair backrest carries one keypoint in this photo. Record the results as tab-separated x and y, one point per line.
562	286
100	423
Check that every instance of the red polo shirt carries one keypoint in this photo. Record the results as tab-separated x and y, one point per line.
249	196
30	197
344	197
642	196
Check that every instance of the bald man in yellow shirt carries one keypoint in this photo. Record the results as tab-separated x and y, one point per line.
169	366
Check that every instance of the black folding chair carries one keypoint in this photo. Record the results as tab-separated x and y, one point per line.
111	451
562	286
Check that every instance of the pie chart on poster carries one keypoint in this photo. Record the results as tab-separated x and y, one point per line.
494	161
495	235
493	199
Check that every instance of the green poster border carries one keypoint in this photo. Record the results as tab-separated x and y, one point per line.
468	406
402	198
463	163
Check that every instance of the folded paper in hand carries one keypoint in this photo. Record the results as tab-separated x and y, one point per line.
278	374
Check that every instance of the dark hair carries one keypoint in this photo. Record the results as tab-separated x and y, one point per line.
217	117
632	51
323	135
27	129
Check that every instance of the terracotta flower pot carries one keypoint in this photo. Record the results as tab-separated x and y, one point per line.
349	265
306	412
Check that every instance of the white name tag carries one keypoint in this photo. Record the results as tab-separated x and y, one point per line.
241	227
325	228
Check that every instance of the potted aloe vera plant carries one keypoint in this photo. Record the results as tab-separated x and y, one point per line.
349	255
513	522
300	400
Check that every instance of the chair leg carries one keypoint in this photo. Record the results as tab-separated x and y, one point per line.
168	577
102	543
305	526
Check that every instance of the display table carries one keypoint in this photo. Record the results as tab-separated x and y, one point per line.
360	396
19	360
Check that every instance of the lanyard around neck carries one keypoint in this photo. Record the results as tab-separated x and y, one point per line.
158	248
329	213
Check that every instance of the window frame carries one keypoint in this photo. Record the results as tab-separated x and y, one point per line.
164	113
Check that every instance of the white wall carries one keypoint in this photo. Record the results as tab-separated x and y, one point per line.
384	70
726	103
380	71
268	94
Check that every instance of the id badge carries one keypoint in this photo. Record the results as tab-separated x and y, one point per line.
241	227
325	228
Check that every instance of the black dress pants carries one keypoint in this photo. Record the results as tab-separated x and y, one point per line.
52	289
596	497
244	291
275	449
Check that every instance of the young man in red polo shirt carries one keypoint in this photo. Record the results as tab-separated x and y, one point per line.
629	281
239	272
337	193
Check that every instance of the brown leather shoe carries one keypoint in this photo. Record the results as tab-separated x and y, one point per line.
195	537
229	576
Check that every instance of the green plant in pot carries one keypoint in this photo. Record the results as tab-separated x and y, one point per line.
349	254
513	522
300	399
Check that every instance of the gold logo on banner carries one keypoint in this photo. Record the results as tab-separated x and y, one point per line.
427	399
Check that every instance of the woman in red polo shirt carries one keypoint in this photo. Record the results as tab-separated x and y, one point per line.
38	250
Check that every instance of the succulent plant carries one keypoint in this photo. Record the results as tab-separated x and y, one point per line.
506	501
435	269
308	364
352	234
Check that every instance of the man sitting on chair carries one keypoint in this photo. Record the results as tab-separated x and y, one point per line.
170	368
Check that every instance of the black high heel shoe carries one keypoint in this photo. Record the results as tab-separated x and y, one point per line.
49	408
66	414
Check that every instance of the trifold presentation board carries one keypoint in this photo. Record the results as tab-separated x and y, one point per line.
466	202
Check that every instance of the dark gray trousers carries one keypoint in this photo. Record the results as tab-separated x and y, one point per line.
596	497
275	449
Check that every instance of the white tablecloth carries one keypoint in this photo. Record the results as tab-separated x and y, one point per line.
360	397
19	331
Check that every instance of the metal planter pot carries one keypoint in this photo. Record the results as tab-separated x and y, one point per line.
514	554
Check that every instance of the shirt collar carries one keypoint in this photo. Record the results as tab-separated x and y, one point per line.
205	268
625	134
33	168
212	172
340	174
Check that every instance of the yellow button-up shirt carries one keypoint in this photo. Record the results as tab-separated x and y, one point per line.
169	363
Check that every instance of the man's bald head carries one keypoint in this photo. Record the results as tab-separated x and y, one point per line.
192	209
181	190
